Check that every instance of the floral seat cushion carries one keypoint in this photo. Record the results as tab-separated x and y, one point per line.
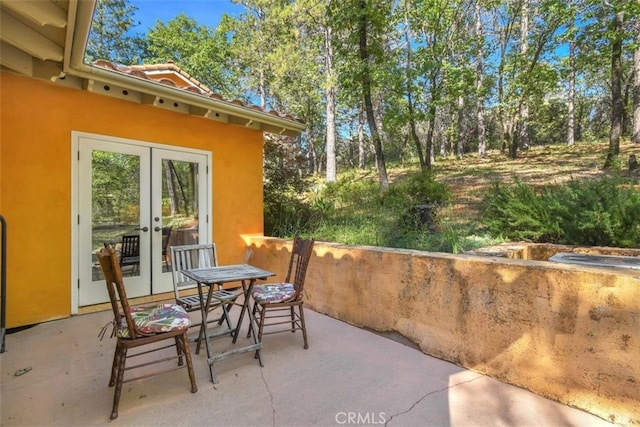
155	319
277	292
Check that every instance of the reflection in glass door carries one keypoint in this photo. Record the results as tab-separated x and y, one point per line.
115	213
113	197
180	178
141	200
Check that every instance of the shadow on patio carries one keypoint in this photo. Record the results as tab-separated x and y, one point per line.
348	376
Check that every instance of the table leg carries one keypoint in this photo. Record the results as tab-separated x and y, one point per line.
204	310
252	322
245	306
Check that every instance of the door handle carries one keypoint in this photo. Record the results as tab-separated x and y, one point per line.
157	228
145	229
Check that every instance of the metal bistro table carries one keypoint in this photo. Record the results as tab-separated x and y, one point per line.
216	277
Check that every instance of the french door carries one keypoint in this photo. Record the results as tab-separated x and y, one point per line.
142	199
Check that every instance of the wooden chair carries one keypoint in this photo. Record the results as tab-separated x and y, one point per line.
142	326
277	301
186	257
130	251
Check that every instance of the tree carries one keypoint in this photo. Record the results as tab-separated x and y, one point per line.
410	82
635	138
108	38
617	109
444	54
525	72
365	16
259	38
361	29
197	49
330	96
523	121
482	146
315	24
572	84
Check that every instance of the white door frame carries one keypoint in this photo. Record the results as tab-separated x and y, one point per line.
76	136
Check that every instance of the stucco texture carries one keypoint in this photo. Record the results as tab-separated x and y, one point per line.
567	333
37	119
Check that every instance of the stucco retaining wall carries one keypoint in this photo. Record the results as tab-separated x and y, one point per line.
568	333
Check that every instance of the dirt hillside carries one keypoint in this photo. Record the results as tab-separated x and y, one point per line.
540	166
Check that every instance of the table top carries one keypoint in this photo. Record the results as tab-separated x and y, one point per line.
227	273
617	261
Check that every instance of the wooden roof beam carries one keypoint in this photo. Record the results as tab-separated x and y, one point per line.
40	12
24	38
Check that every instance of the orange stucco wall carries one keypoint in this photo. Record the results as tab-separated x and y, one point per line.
37	119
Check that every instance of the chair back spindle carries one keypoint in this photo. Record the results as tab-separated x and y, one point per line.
275	302
187	257
115	286
298	263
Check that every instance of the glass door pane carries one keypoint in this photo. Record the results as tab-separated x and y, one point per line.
113	198
180	181
116	208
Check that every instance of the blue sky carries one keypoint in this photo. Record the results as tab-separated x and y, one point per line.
205	12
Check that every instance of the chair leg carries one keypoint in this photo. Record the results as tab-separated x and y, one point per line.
120	378
187	355
253	313
304	327
263	312
180	351
293	320
114	366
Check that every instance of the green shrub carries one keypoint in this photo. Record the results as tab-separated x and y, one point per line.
517	212
286	210
604	212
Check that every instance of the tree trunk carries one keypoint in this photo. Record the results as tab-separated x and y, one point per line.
263	90
626	115
617	108
378	103
330	94
635	137
361	142
170	189
523	122
412	120
460	128
501	112
312	151
180	195
572	92
431	122
579	118
482	145
366	92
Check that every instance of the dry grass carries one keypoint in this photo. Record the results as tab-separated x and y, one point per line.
352	212
469	177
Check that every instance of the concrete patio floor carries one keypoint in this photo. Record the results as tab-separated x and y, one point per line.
348	376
